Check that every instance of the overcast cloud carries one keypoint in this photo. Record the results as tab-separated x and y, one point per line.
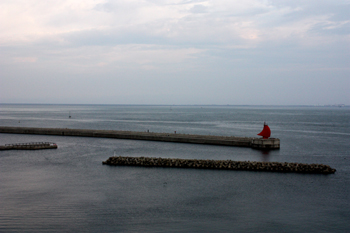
175	52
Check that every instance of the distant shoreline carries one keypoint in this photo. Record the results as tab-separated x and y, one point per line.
187	105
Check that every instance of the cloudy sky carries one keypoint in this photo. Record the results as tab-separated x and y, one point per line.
175	51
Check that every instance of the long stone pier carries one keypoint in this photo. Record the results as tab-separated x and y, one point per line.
258	143
220	164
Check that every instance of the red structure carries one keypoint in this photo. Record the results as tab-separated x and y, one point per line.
266	132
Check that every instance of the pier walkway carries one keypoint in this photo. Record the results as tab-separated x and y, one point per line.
258	143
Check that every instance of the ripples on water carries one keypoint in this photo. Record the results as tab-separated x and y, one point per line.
68	189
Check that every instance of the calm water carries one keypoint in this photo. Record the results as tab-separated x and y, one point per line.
69	189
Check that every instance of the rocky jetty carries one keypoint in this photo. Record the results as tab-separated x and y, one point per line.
29	146
220	164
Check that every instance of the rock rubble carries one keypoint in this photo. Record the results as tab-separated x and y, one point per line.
220	164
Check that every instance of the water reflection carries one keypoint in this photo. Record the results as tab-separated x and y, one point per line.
265	155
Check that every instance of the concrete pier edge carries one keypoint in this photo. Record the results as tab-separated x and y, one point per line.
257	143
220	164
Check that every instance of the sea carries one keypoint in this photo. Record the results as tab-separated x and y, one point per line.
69	190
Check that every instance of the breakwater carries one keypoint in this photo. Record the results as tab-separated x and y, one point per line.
258	143
29	146
220	164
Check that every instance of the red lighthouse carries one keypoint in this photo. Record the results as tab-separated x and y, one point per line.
266	132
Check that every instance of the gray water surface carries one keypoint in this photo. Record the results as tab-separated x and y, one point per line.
69	190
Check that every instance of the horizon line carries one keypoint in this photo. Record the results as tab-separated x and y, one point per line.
291	105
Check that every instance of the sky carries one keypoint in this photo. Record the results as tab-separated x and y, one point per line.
252	52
